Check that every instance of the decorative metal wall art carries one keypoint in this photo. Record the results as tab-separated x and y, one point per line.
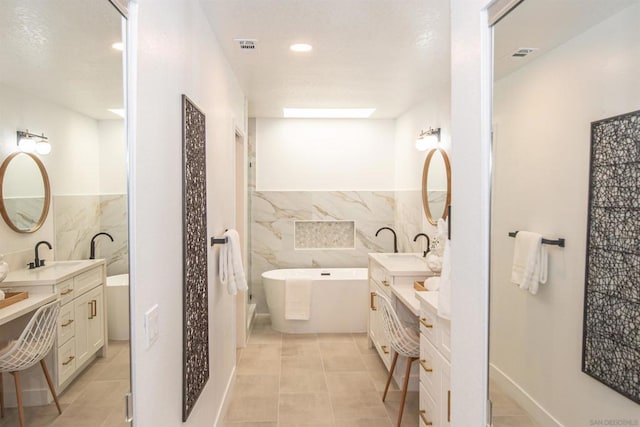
611	334
195	335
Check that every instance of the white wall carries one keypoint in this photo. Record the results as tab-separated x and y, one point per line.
113	159
177	53
542	116
324	154
72	165
470	108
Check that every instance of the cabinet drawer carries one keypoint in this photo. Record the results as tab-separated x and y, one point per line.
379	274
428	410
444	337
407	280
66	324
66	361
65	289
87	280
429	369
428	325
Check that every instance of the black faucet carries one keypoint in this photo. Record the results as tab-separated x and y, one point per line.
415	239
93	243
37	262
395	238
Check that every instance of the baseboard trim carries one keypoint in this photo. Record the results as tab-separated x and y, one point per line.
524	399
222	411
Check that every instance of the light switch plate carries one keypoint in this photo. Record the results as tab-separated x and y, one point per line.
151	326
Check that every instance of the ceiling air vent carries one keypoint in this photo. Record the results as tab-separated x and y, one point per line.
523	51
246	45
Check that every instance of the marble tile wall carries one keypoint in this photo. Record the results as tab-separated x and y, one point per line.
273	214
24	211
78	218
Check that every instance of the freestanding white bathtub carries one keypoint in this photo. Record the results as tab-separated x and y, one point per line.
339	300
118	307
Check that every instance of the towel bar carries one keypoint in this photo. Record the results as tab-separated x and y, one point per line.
558	242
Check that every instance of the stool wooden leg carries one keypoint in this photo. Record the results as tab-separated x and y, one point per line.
1	397
393	367
53	390
404	388
16	378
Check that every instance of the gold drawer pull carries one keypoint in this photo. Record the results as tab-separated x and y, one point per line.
424	418
68	360
424	323
373	307
385	282
66	292
64	325
423	363
385	349
449	406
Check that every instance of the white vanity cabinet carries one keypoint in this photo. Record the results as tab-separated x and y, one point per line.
435	365
81	329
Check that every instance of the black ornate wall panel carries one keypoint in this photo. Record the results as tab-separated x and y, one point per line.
611	335
195	296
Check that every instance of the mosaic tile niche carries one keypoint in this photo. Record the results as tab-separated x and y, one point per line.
324	235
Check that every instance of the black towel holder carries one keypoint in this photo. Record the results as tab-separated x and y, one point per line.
219	241
558	242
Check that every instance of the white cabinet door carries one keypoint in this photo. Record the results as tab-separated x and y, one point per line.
82	308
445	391
95	326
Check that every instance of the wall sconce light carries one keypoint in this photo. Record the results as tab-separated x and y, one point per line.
428	139
30	142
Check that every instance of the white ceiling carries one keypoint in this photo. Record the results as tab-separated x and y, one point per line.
61	51
384	54
546	24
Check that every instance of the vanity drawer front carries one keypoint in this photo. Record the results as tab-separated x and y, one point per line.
66	324
66	291
429	325
407	280
87	280
428	410
444	337
429	369
66	361
380	275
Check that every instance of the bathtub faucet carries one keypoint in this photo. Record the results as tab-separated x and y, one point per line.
93	243
415	239
395	237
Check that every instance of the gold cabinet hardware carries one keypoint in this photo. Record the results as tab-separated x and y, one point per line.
66	292
424	417
68	360
373	307
94	307
64	325
423	363
424	323
449	406
90	309
385	349
385	282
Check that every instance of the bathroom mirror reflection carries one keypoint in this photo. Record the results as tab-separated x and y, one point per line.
62	75
24	192
558	67
436	185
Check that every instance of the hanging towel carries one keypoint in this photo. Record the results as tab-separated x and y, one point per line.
444	298
529	267
231	269
297	298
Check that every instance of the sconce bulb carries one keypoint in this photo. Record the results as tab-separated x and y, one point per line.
43	147
422	144
26	144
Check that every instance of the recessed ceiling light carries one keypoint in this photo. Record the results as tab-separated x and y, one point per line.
327	113
118	46
301	47
117	111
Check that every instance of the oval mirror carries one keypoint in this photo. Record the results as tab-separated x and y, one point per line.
436	185
24	192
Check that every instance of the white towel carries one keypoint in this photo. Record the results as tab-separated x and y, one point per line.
529	267
231	269
297	298
444	298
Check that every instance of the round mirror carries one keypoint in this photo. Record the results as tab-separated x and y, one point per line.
24	192
436	185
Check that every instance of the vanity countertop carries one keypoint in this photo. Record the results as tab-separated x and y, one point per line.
20	308
50	274
402	264
430	298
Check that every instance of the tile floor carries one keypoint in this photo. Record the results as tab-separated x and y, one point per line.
506	412
96	398
312	380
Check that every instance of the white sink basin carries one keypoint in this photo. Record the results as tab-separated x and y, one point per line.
402	262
